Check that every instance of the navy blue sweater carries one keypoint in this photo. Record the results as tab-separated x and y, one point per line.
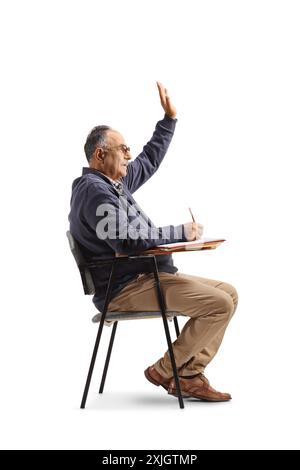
93	188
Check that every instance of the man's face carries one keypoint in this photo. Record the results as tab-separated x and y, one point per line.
115	156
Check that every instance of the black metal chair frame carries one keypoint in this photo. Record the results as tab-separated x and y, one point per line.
84	269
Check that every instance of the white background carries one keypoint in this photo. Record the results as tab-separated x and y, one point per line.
232	69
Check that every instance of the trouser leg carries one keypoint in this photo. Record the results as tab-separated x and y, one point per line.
208	307
198	362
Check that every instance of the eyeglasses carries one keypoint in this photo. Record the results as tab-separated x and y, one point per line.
122	147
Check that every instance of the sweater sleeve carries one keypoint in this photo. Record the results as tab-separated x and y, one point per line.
124	232
147	162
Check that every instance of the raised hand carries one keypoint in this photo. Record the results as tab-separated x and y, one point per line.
166	103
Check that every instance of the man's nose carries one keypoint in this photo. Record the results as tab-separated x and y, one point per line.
128	156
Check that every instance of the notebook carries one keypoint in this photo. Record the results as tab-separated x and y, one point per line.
201	244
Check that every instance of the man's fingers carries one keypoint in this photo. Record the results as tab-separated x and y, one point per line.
193	231
166	102
161	92
197	229
167	98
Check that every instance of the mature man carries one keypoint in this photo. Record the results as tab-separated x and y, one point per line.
105	220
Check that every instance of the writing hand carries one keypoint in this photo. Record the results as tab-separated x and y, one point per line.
193	231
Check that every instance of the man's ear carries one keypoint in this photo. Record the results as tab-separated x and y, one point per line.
99	155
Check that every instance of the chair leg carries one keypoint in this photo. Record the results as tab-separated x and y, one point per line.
176	327
91	368
95	350
111	342
167	331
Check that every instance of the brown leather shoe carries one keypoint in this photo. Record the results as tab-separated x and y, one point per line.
155	378
198	387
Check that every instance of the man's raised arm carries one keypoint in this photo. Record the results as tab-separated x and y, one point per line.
145	165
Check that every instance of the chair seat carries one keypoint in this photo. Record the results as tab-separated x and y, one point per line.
120	316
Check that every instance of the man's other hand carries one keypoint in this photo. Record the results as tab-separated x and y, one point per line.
193	231
166	103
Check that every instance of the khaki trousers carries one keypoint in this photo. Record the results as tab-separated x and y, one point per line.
210	305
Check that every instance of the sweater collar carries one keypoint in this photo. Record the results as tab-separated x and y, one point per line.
117	184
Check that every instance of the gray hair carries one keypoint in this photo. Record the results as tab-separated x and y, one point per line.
96	137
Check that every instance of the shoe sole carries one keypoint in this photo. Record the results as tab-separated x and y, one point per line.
174	393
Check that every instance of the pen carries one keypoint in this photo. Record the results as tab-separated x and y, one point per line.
192	215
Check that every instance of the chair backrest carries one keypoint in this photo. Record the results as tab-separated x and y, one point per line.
85	273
